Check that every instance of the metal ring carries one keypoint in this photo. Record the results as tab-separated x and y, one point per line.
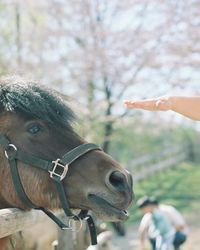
79	221
11	146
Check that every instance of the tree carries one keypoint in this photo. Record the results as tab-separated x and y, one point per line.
104	50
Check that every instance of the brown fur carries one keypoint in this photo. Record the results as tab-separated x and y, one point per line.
3	243
88	175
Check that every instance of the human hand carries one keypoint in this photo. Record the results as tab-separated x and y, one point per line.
157	104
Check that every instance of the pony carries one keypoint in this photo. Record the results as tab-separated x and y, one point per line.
37	134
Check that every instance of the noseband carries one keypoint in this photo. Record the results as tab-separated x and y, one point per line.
57	170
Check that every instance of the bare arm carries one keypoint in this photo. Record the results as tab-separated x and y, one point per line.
142	236
187	106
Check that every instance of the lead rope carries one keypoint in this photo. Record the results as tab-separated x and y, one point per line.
83	215
91	226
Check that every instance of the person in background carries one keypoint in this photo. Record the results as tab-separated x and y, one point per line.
163	224
184	105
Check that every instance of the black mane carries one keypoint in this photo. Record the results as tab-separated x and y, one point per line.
38	102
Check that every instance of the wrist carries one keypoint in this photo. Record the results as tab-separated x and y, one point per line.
170	102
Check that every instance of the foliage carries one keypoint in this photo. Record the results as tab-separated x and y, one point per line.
178	186
101	52
137	139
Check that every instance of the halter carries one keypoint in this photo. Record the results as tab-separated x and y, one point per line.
57	170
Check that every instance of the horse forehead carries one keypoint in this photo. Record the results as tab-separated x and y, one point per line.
6	119
10	117
9	120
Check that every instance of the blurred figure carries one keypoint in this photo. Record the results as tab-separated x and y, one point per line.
187	106
163	224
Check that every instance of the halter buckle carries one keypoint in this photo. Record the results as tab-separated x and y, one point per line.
76	220
13	148
59	170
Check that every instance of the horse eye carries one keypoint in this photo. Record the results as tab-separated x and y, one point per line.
34	129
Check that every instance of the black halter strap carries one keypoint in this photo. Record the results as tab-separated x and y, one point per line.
57	170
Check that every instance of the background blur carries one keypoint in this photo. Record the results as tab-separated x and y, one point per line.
101	52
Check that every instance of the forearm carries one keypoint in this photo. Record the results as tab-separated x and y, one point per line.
142	240
187	106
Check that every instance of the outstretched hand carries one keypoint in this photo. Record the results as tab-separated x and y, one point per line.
158	104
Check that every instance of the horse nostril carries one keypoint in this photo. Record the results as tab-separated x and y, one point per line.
118	180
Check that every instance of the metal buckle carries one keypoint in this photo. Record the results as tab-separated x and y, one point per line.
59	170
73	224
13	147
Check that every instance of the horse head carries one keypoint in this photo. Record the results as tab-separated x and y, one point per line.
39	123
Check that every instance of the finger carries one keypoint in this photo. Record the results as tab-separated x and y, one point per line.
149	104
158	103
129	103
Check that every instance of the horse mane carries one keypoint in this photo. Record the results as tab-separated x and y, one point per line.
36	101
